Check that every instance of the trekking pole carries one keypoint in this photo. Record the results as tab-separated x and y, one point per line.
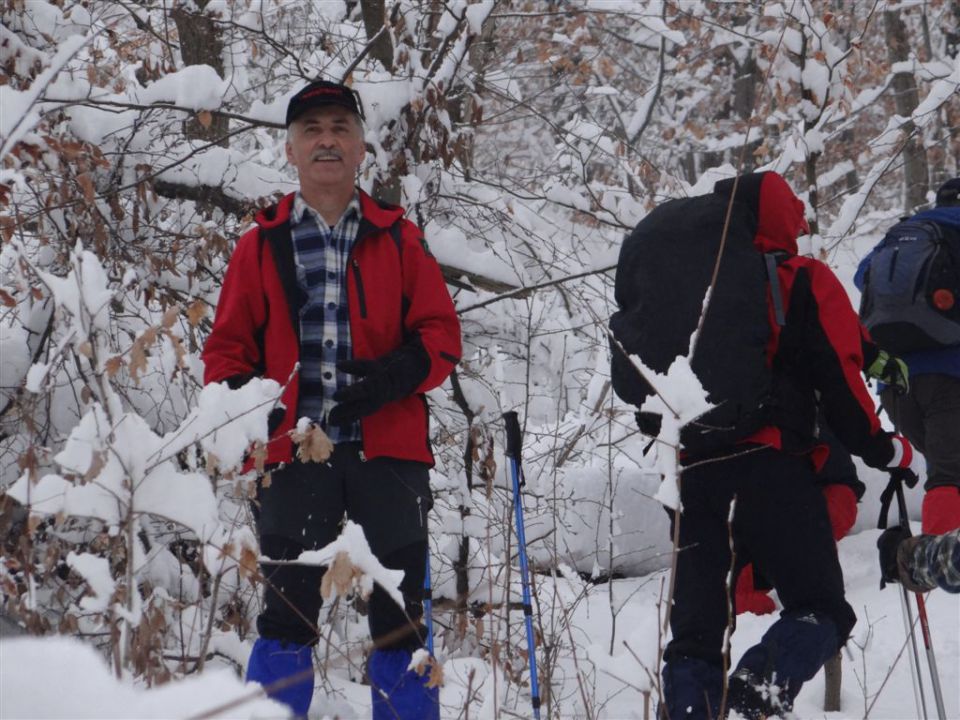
922	615
513	453
919	698
428	604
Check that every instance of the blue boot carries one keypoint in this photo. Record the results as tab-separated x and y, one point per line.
272	661
398	693
771	673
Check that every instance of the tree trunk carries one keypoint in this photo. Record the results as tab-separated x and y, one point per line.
201	44
904	85
374	18
831	690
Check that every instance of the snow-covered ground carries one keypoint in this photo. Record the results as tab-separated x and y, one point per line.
62	678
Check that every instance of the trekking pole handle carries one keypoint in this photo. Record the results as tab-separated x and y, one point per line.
514	439
902	508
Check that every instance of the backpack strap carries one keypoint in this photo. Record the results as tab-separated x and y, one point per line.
772	260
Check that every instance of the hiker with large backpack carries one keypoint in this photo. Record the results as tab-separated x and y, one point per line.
779	331
911	305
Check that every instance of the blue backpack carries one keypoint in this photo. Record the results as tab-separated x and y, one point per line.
911	284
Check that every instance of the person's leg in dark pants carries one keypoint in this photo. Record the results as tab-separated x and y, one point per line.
291	594
282	655
390	499
929	416
392	626
693	671
782	518
300	509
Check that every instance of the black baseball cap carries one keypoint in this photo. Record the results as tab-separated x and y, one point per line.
321	93
949	193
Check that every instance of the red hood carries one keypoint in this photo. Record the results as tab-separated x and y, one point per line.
780	216
779	213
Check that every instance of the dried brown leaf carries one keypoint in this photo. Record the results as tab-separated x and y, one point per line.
113	365
196	312
96	465
259	455
432	666
313	445
339	577
85	349
179	350
69	625
170	317
86	186
248	563
226	551
138	361
138	353
205	118
28	462
7	227
7	299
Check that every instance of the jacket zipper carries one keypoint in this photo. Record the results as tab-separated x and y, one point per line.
360	294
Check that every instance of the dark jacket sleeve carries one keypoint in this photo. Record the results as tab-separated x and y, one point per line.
868	347
834	346
430	316
234	349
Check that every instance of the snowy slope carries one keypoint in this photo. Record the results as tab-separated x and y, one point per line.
86	688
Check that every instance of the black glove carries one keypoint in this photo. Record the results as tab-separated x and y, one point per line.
235	382
384	380
888	543
905	475
649	423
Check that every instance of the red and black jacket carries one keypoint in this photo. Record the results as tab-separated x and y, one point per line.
395	294
818	351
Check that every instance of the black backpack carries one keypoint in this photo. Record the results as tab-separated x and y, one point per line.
663	272
911	287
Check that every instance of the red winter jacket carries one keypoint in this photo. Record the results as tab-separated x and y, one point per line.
819	348
394	289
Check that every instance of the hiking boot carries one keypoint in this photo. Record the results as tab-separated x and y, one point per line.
753	697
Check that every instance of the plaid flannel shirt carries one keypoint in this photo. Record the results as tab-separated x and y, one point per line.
321	254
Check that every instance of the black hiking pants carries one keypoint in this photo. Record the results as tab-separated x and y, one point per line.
780	523
929	415
303	507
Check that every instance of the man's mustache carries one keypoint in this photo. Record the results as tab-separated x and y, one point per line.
326	155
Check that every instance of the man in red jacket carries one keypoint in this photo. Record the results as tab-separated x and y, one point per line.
336	297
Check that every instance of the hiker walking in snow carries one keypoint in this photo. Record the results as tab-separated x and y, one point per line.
779	335
911	305
343	285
